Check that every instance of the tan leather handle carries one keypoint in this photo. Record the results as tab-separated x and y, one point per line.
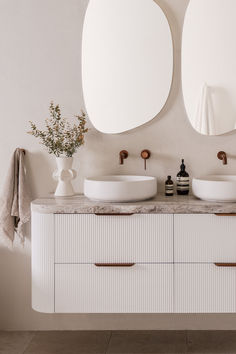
225	264
114	214
114	264
226	214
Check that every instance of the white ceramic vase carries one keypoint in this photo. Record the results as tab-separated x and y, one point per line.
64	175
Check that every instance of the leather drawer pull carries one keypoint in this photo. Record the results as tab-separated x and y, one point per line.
114	264
113	214
225	264
226	214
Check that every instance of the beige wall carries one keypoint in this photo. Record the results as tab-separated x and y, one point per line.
40	60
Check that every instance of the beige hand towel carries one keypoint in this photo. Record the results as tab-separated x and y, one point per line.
15	200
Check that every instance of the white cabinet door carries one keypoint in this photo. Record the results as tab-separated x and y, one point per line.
202	288
87	288
88	238
204	238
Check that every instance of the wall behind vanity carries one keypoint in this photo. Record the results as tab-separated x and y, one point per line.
40	60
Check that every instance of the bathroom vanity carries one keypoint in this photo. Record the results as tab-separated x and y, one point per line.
165	255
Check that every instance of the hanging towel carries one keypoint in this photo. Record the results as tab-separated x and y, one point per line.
15	201
205	123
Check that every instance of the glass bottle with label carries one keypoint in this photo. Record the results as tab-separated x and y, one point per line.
169	187
182	180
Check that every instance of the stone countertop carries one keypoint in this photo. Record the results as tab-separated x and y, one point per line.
161	204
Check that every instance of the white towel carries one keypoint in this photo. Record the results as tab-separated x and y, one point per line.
15	201
204	120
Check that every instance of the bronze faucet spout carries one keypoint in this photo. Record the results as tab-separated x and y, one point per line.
222	156
123	155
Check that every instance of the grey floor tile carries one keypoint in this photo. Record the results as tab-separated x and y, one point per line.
14	342
69	342
148	342
211	342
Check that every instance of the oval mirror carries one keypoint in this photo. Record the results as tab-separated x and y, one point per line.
208	65
127	63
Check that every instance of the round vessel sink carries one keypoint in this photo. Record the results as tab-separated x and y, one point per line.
120	188
217	188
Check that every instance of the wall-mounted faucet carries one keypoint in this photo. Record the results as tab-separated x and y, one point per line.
123	155
145	154
222	156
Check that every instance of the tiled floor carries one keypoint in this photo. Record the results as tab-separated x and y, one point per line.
118	342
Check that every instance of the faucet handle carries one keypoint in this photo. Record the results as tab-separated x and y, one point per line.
145	154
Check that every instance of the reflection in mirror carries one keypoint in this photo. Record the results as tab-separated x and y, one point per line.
127	63
208	65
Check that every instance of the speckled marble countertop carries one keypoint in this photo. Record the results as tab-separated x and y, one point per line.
161	204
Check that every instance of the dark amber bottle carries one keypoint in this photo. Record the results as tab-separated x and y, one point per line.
169	187
182	180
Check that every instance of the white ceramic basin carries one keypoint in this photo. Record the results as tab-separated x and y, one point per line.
120	188
220	188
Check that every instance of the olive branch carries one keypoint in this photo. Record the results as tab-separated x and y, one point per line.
60	137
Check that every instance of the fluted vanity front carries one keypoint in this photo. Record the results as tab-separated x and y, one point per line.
148	257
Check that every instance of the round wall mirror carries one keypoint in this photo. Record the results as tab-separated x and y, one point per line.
208	65
127	63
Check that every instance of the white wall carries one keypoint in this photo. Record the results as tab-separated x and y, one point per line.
40	60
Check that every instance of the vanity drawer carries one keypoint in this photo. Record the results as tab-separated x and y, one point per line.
86	288
204	238
204	288
89	238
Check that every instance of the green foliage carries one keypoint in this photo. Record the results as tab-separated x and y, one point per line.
60	137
